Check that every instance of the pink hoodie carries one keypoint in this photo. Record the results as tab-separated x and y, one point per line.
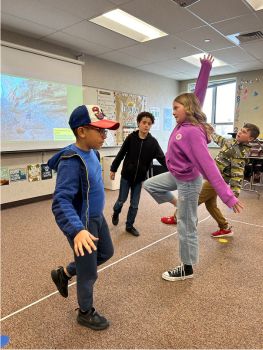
188	155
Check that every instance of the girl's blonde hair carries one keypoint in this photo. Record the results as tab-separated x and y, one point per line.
194	112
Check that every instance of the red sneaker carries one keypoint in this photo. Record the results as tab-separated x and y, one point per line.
223	233
169	220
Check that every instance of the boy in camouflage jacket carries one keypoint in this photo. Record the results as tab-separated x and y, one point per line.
231	161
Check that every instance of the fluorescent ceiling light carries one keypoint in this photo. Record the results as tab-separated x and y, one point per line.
256	4
195	60
128	25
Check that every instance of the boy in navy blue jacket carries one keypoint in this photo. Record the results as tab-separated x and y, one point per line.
78	204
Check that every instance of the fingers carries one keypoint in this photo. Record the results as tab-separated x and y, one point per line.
85	243
238	207
241	205
209	58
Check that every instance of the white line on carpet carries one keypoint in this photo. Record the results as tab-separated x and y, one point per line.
246	223
103	268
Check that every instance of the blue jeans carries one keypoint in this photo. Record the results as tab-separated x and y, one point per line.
160	188
85	267
125	186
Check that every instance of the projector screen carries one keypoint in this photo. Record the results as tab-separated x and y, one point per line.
38	93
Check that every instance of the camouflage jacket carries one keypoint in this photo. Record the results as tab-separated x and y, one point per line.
231	161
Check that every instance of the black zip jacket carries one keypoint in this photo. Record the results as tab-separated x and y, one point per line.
138	155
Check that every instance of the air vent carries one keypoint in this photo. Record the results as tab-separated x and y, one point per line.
185	3
245	38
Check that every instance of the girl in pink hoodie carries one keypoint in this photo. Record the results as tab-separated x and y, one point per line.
188	159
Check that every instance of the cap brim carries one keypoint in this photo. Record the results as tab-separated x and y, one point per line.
106	124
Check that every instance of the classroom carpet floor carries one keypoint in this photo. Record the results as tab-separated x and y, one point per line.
220	308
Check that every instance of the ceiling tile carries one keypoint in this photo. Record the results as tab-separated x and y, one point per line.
242	24
119	2
15	7
77	44
222	70
41	13
97	34
232	55
260	15
31	29
63	22
181	66
161	49
82	8
181	76
122	58
218	10
247	66
197	36
165	15
156	69
255	48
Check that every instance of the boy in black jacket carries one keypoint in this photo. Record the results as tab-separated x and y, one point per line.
138	150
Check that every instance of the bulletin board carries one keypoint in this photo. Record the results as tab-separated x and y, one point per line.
121	106
249	100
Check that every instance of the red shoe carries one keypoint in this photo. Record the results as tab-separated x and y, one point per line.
169	220
223	233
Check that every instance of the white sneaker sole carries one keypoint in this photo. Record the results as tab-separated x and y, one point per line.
224	235
175	279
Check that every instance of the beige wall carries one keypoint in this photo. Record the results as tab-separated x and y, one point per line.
96	73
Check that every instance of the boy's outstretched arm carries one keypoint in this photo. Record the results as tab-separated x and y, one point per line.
219	140
202	80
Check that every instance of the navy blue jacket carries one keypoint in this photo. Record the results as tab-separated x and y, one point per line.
73	199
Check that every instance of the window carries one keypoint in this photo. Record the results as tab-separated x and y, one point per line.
219	105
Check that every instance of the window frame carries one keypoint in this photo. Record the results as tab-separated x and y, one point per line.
214	84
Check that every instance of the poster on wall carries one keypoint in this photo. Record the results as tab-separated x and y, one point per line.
33	171
46	172
4	176
168	119
106	100
18	174
156	113
128	106
126	132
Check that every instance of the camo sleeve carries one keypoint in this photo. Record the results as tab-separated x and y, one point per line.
237	174
219	140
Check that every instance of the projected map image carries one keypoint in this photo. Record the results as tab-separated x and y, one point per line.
36	110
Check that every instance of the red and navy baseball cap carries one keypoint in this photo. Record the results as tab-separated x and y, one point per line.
91	115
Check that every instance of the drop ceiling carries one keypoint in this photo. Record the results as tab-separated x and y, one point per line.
66	23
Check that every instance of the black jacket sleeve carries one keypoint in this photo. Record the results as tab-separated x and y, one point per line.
121	154
160	156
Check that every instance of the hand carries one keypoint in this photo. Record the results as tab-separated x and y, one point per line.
238	207
112	175
84	239
208	58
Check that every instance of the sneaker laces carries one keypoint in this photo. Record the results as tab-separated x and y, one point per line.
178	270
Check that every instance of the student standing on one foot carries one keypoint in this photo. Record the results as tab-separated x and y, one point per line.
78	204
187	159
138	150
200	92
